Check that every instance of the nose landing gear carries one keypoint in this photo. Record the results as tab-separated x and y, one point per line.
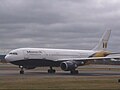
21	70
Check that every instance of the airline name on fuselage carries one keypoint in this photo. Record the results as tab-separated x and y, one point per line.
34	52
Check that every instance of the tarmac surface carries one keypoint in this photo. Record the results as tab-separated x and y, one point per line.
61	74
90	70
93	77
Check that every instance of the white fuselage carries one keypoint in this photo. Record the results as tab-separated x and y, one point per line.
49	54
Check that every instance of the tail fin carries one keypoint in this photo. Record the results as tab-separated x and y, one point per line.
103	43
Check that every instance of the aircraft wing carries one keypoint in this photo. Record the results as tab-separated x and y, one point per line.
89	59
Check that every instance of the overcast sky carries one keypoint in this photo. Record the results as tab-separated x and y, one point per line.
71	24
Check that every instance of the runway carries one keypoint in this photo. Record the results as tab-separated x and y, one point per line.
89	77
90	70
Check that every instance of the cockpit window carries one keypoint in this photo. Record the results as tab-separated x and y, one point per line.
13	53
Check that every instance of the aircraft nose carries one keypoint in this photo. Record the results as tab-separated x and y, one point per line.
7	58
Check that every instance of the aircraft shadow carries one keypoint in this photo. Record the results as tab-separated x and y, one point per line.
68	74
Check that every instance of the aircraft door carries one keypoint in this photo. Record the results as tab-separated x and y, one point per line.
26	56
43	55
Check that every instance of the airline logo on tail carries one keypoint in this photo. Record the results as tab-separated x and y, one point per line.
103	43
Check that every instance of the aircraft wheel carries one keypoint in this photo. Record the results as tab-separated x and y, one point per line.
21	72
51	71
74	72
118	80
54	71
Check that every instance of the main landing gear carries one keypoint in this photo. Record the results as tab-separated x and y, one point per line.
21	70
51	70
74	72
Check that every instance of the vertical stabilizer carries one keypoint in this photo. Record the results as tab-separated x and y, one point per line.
103	43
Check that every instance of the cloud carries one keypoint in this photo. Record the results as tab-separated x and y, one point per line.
74	24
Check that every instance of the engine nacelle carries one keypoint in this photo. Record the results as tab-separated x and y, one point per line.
68	66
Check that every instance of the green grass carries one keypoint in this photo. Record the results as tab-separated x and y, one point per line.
59	83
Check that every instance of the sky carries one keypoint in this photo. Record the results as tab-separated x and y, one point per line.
66	24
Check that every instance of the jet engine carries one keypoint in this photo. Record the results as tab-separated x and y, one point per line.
68	65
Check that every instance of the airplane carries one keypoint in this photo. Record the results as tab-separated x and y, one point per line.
67	60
